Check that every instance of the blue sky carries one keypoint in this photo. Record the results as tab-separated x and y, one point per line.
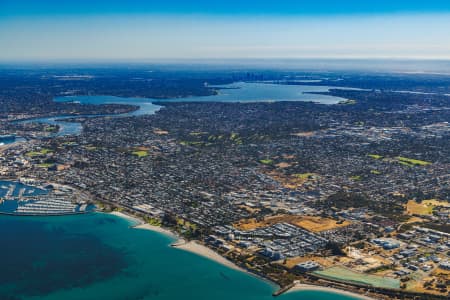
285	7
139	30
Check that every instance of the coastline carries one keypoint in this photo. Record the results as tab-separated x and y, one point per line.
142	225
157	229
298	287
198	249
189	246
201	250
180	243
127	217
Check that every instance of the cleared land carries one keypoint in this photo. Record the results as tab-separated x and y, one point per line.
160	132
314	224
304	134
295	180
283	165
426	207
318	224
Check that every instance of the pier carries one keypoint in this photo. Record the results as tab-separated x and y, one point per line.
283	290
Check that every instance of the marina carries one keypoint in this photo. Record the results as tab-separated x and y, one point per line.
17	198
225	150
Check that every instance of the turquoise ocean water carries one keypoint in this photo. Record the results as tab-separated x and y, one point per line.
98	256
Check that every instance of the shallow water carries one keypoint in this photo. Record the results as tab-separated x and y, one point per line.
98	256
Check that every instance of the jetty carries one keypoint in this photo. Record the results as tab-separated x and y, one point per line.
283	290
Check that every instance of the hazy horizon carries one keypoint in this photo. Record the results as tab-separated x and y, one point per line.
406	66
159	30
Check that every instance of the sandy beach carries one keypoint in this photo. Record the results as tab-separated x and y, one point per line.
156	229
181	244
308	287
201	250
204	251
142	225
128	217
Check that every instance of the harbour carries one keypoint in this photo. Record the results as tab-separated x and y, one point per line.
40	199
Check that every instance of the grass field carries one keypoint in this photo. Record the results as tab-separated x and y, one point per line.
140	153
343	274
412	162
153	221
45	165
314	224
38	153
266	161
236	139
304	176
186	224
